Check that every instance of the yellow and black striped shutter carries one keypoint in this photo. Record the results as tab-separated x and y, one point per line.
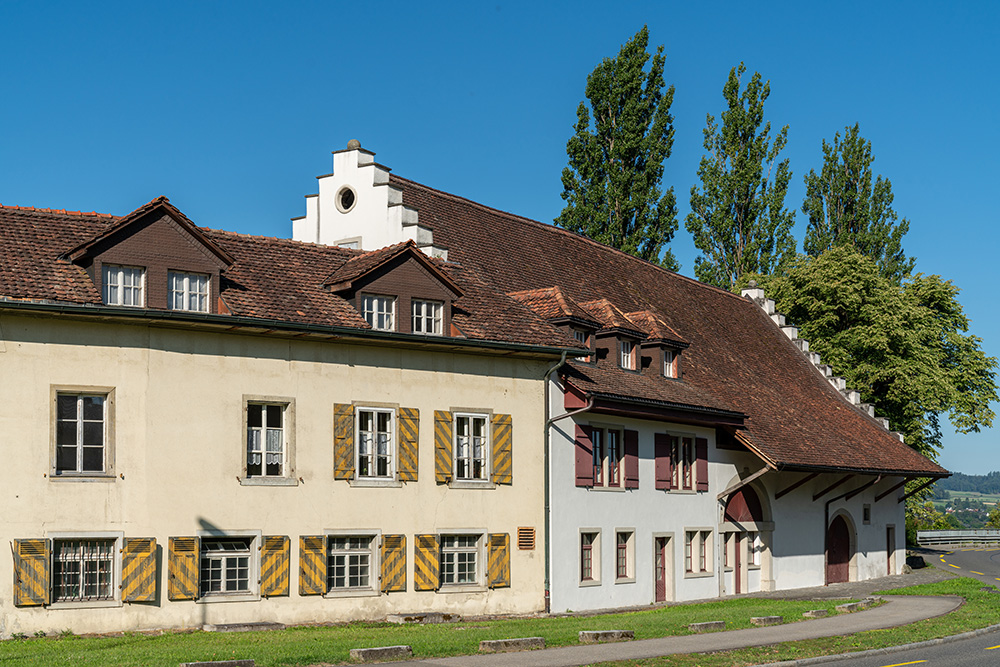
503	459
182	568
393	563
426	563
31	573
274	557
139	569
443	440
409	442
312	565
499	560
343	441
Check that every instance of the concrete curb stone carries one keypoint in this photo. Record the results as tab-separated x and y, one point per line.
707	626
506	645
381	653
598	636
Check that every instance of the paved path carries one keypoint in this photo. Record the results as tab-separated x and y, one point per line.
900	610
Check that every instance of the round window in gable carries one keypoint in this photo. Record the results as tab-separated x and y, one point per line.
346	199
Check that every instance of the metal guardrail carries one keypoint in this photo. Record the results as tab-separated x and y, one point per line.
936	537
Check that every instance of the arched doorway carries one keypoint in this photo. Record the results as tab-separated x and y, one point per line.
838	551
742	548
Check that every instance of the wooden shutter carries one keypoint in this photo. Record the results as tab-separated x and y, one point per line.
343	441
664	473
275	554
631	459
139	569
426	563
503	461
31	572
499	560
584	457
393	563
701	465
182	568
312	565
409	443
443	443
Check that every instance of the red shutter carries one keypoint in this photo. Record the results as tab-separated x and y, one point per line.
584	457
631	459
664	474
701	466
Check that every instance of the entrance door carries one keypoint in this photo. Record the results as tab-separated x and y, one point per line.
660	566
890	549
738	563
838	551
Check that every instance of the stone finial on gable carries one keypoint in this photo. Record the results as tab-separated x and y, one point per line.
357	207
756	294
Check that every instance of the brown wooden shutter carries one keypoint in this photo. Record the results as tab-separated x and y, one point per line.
343	441
275	555
631	459
499	560
664	473
31	572
139	569
443	443
182	568
584	457
409	444
393	563
312	565
701	466
503	461
426	563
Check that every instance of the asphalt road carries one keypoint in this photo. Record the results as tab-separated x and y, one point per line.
980	651
982	563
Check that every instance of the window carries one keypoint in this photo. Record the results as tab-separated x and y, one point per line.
669	364
583	338
589	557
427	317
225	565
349	563
866	514
755	546
698	551
83	570
607	455
459	560
682	460
375	442
188	291
123	285
346	199
266	451
597	441
627	360
379	312
471	447
624	556
614	457
81	433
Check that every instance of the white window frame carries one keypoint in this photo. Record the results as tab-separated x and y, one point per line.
595	557
117	540
582	336
374	538
698	552
669	364
629	576
484	476
185	291
390	439
755	547
107	432
253	566
113	277
287	476
379	306
424	311
626	358
477	550
607	476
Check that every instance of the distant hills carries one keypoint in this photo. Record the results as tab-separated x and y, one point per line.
989	483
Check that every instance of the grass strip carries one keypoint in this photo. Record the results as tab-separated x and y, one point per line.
331	644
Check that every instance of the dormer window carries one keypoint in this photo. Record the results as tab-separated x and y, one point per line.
123	285
427	317
627	357
583	337
379	312
188	291
669	364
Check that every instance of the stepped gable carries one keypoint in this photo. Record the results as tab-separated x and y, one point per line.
737	355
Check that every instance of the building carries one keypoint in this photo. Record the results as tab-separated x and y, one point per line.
701	449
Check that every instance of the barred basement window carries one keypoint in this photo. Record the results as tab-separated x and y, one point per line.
83	570
459	559
225	565
349	561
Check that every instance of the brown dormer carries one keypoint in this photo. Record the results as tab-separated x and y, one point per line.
558	309
619	339
662	348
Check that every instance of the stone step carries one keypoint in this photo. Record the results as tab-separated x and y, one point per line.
816	613
423	618
600	636
381	653
707	626
506	645
241	627
766	620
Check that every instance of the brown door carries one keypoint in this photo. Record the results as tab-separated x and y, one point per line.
660	575
838	551
890	549
738	563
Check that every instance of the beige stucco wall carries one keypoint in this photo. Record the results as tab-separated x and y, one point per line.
179	451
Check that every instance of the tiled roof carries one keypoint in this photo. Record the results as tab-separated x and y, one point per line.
551	304
273	279
654	326
738	358
611	316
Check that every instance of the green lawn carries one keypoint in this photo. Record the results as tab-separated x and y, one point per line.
312	645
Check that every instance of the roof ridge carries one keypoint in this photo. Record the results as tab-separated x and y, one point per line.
282	240
560	230
59	211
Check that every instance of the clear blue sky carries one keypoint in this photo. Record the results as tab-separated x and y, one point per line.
231	109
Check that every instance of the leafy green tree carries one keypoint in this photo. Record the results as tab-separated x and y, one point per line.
738	218
904	347
612	183
844	207
993	520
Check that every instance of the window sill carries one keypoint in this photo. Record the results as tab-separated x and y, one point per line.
352	593
462	588
590	582
683	492
85	604
612	489
625	580
374	483
269	481
472	484
698	575
210	598
82	477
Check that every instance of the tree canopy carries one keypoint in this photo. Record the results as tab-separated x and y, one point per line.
846	208
738	218
612	183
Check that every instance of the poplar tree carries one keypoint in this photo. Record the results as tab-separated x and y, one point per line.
612	183
738	218
846	208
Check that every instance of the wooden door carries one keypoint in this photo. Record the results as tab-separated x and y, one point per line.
738	563
660	568
890	549
838	551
